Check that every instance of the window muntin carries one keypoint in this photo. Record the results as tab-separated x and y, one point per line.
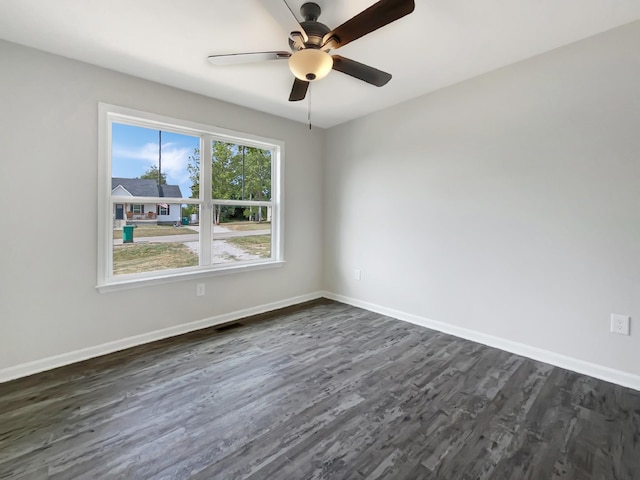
255	232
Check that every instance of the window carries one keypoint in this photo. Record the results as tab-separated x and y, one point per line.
184	216
241	198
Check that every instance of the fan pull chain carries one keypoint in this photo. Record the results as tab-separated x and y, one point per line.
309	111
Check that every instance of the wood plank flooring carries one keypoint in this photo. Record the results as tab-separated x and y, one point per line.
319	391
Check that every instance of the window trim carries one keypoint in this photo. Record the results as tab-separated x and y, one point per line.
106	281
132	208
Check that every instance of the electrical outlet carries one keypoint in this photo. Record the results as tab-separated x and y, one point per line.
357	274
620	324
200	290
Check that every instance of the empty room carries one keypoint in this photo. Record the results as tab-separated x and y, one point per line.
272	239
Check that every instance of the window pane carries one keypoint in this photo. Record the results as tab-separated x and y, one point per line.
155	242
147	162
242	234
240	172
152	163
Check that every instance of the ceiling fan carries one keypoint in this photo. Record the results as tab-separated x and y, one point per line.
310	42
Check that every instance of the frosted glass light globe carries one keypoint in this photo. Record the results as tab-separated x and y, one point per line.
310	64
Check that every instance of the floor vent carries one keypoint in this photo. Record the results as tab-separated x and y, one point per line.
228	326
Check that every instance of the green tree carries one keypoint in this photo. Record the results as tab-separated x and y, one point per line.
257	180
152	174
193	167
227	180
223	177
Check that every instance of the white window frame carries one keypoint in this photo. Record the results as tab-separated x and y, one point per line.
133	208
108	114
160	209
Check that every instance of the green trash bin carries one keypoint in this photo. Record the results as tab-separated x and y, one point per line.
185	220
127	233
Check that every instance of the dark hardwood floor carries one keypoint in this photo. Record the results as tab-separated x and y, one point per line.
322	390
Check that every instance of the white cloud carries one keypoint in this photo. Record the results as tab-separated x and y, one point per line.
174	159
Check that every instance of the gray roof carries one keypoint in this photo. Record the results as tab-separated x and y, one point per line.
145	187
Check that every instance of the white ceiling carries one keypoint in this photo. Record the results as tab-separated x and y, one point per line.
441	43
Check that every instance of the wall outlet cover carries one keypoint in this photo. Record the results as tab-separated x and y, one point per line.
620	324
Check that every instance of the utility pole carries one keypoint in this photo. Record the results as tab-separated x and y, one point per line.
243	172
160	192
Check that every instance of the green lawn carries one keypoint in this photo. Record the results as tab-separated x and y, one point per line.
256	244
247	226
148	257
154	231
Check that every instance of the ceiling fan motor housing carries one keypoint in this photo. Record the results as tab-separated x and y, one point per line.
315	30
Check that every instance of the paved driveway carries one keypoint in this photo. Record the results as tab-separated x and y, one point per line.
218	234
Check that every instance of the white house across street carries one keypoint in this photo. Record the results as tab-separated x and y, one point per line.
145	213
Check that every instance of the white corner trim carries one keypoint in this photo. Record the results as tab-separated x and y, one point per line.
37	366
607	374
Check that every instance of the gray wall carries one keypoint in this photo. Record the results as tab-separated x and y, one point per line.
507	204
48	167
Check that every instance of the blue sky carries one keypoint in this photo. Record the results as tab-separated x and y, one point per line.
135	149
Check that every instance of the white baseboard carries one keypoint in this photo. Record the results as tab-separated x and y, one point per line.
580	366
56	361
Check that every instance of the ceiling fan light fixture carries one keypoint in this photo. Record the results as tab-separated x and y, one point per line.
310	64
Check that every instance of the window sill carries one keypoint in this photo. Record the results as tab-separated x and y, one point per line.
127	284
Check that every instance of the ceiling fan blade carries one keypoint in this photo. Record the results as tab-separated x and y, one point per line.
299	90
361	71
238	58
377	15
282	14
